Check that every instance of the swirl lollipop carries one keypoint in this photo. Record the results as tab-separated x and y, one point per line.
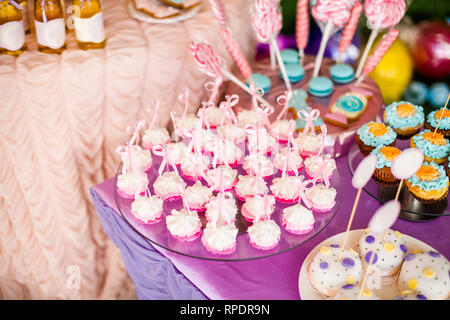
380	14
330	15
266	21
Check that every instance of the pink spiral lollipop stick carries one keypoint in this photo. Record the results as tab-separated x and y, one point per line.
349	29
379	52
302	27
381	14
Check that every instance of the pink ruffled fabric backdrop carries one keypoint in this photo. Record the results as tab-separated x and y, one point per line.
61	117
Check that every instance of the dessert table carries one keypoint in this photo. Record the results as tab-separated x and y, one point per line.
62	117
161	274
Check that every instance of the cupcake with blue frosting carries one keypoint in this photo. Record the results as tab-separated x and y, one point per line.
434	146
385	156
444	125
405	118
373	134
429	184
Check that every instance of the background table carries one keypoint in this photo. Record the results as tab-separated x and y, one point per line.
161	274
61	118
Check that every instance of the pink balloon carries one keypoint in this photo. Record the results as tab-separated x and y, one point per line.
407	163
364	171
384	217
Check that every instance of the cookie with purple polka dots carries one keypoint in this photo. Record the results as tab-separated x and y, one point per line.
351	292
390	250
425	273
327	274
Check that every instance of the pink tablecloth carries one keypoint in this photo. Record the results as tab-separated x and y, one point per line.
61	117
274	277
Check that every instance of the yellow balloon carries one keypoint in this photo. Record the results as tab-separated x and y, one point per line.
394	72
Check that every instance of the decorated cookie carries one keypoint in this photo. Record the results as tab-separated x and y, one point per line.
351	104
410	295
155	9
389	253
426	273
298	101
328	275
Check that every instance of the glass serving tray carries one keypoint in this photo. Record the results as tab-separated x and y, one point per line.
412	209
159	235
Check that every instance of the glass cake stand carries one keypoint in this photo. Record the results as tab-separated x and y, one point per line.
412	209
159	235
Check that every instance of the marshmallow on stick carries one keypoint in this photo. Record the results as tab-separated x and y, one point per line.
362	175
330	15
302	28
230	43
380	14
266	21
212	64
349	29
378	53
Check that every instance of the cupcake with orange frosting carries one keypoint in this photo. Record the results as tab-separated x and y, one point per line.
373	134
385	156
434	146
405	118
429	184
444	125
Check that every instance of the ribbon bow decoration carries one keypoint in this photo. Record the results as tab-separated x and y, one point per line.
154	111
301	191
322	173
227	107
202	113
291	139
124	153
323	129
283	101
161	151
263	114
309	116
213	87
255	93
134	130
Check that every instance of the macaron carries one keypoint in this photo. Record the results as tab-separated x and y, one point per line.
289	56
342	73
295	72
261	81
320	86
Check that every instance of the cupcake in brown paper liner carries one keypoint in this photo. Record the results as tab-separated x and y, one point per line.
432	122
385	156
373	134
429	184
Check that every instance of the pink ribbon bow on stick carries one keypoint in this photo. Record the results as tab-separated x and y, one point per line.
227	107
283	101
154	111
323	173
213	87
290	146
266	21
349	30
134	130
301	191
178	132
162	152
309	116
212	64
124	153
263	114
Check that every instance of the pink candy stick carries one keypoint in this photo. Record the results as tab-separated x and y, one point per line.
380	51
207	59
302	27
350	28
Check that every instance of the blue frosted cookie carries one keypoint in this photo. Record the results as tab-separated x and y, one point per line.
405	118
320	86
351	104
290	56
298	101
261	81
295	72
342	73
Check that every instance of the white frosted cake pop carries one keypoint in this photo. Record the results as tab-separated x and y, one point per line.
131	183
289	159
221	209
258	207
226	174
256	163
280	130
197	196
297	219
321	197
169	186
155	136
249	186
147	209
232	133
184	224
264	234
176	151
220	239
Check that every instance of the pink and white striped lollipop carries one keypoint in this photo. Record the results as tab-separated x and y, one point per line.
302	27
350	28
330	15
380	14
207	59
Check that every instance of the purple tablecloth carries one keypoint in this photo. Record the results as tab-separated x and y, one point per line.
161	274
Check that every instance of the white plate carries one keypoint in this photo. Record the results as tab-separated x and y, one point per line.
184	15
387	290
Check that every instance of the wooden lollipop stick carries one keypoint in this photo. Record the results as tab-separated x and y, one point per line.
399	189
355	204
442	114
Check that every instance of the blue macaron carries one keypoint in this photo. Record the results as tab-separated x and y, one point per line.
261	81
320	86
289	56
342	73
295	72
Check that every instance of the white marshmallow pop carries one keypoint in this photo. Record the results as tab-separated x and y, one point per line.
389	253
425	273
328	275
